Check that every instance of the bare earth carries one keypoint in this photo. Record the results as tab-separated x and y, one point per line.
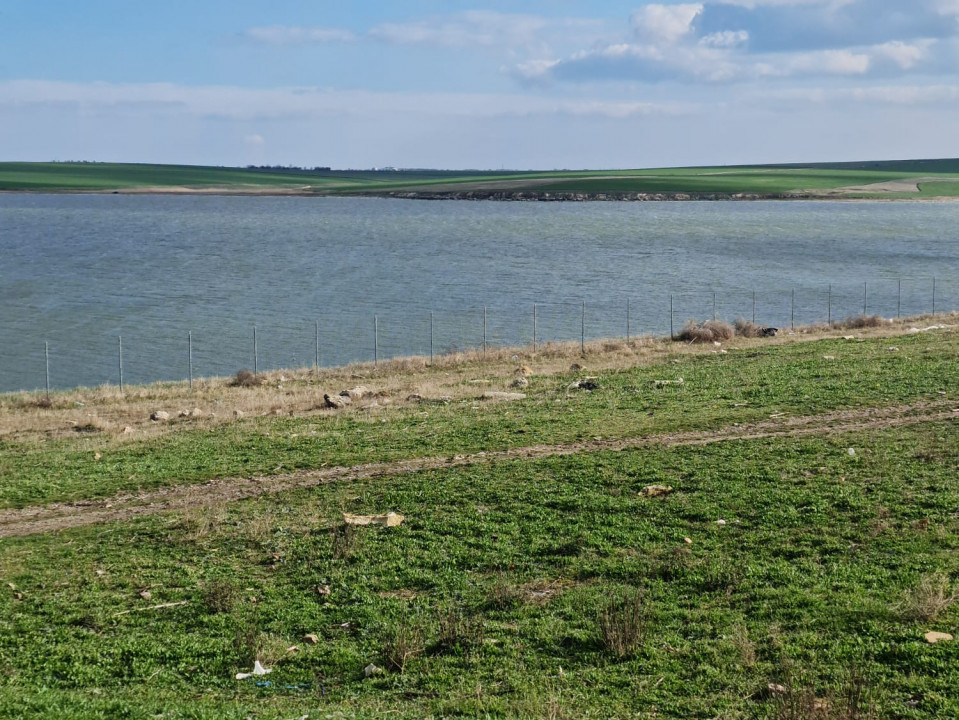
59	516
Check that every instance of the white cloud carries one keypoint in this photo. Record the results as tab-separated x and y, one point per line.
254	140
903	54
283	35
665	24
234	103
534	69
471	28
725	39
829	62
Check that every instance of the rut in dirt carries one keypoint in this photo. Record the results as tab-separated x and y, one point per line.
60	516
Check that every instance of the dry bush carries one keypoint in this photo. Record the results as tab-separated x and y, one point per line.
709	331
853	702
345	541
931	596
503	594
622	623
459	629
747	328
245	378
219	596
402	641
857	322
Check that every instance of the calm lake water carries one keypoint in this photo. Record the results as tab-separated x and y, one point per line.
79	271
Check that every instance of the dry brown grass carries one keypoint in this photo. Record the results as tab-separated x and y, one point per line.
933	594
706	332
124	417
747	329
857	322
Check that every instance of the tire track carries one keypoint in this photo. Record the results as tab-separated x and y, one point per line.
59	516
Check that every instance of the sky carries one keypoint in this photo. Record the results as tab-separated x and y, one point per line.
523	84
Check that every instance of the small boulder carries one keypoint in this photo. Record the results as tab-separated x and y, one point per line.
337	402
357	393
311	638
519	382
502	396
158	415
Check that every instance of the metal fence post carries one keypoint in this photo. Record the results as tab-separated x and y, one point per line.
864	299
484	331
627	321
316	346
534	328
754	307
714	306
792	311
899	300
582	331
431	338
376	341
189	337
46	355
829	306
933	295
120	359
256	358
672	336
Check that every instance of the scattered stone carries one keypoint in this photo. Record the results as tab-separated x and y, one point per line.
776	689
828	357
576	367
196	412
524	370
655	490
97	456
663	383
158	415
502	396
371	669
851	451
311	638
442	400
323	590
892	349
720	522
933	637
337	402
390	519
127	430
357	393
688	541
146	594
238	413
519	382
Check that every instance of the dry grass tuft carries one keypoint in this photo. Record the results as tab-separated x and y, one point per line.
857	322
457	629
622	623
928	599
246	378
853	702
402	642
748	329
709	331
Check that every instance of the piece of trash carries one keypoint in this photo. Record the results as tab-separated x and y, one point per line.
776	689
661	383
933	637
101	572
146	594
655	490
848	337
720	522
390	519
828	357
322	589
258	669
851	451
311	638
892	349
717	343
688	541
371	669
97	456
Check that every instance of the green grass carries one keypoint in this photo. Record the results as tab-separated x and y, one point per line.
487	601
742	386
801	585
771	180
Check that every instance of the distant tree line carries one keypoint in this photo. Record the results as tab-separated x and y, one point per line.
288	168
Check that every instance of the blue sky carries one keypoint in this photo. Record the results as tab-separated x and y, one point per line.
455	84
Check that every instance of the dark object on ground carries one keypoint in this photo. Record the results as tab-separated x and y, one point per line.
770	332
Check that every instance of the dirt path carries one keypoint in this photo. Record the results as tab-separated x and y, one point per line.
58	516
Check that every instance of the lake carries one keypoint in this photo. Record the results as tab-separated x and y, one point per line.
80	271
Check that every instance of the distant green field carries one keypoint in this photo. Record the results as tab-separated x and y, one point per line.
937	178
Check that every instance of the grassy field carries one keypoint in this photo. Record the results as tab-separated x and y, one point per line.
807	544
936	178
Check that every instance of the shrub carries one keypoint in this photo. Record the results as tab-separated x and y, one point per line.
853	702
345	541
402	641
459	629
709	331
931	596
245	378
746	328
856	322
219	596
622	623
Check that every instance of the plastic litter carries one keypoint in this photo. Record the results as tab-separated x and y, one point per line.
258	669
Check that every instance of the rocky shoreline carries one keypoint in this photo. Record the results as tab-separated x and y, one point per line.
530	196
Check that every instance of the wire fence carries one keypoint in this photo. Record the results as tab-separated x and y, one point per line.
142	355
